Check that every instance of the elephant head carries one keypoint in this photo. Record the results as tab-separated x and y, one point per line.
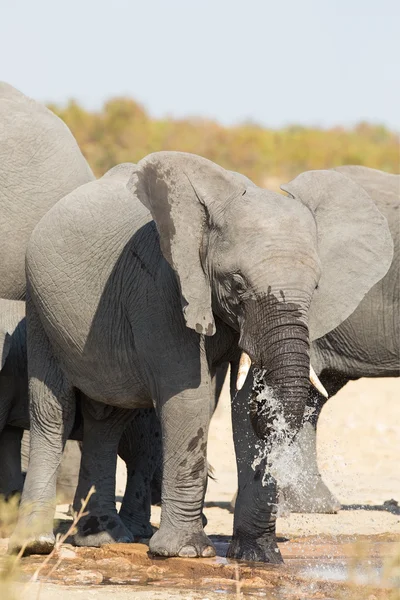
280	270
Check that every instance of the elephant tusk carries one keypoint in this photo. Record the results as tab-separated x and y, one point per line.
244	368
316	383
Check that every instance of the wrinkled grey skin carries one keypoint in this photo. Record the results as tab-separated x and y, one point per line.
366	344
40	162
14	410
132	311
141	461
14	413
67	476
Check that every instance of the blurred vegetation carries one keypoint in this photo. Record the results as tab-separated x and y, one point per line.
124	132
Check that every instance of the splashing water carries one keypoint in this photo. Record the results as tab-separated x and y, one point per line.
280	454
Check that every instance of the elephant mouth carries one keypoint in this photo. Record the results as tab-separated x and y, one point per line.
245	364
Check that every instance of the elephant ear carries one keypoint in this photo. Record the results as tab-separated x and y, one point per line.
354	244
5	346
186	194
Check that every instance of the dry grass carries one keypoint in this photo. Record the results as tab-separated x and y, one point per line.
10	566
8	515
382	586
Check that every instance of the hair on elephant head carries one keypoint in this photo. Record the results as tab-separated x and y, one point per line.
280	270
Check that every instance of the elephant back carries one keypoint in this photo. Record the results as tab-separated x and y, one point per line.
40	162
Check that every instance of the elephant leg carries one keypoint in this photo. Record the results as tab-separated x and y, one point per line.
309	493
140	447
217	383
156	485
52	412
102	430
11	481
184	418
68	474
254	522
25	452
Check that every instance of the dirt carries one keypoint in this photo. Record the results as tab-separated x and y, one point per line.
354	554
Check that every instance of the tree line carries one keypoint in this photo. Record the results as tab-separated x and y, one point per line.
123	131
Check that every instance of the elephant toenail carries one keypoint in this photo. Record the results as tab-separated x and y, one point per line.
188	552
208	552
161	552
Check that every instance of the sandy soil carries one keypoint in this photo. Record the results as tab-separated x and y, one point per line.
358	456
358	452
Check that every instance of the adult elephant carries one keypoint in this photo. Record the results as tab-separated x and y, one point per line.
40	162
139	446
364	345
130	310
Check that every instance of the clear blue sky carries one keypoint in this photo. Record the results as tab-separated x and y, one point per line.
272	62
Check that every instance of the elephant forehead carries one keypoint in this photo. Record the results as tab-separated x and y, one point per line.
271	234
274	218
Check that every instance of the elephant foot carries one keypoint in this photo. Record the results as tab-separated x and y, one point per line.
263	549
34	531
168	541
311	497
40	544
96	531
141	531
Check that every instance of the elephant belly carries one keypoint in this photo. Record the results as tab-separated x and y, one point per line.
111	377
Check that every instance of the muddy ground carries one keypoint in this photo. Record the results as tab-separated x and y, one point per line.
352	555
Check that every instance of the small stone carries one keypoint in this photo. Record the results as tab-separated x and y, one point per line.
155	571
391	503
66	553
84	577
125	581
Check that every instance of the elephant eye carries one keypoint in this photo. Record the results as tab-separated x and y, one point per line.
238	284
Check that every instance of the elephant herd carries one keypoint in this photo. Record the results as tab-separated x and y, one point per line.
140	289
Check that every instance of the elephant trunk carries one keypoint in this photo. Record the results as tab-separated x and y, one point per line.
277	341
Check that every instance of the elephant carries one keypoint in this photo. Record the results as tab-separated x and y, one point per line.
141	284
14	410
40	162
366	344
14	422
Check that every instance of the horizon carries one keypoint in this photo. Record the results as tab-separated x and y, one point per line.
63	105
